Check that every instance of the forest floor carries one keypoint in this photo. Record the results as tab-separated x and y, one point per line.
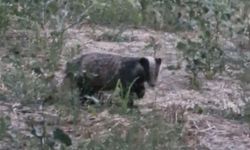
206	114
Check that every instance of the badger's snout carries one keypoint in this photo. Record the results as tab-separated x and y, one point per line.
151	84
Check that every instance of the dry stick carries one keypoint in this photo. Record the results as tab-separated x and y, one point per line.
155	48
155	91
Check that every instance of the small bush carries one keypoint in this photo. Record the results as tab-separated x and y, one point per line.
204	54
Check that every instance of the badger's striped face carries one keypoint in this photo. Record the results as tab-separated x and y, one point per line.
151	66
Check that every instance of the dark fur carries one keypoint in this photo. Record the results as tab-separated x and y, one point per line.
93	72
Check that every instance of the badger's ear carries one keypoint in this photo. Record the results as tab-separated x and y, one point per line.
158	61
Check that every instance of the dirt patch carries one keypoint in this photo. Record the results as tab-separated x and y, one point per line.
172	96
216	133
221	93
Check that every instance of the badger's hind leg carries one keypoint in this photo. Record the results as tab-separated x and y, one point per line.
85	90
85	96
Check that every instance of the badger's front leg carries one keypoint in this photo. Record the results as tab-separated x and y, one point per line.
139	90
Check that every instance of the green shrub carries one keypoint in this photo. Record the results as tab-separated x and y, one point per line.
204	54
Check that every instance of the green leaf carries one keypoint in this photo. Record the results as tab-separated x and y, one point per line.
207	34
3	127
205	9
58	134
191	13
226	16
181	46
178	2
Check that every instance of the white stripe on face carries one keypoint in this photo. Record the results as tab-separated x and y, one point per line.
152	67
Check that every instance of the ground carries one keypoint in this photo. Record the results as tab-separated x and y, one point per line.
172	97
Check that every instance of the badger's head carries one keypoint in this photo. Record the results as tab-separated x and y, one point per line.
151	67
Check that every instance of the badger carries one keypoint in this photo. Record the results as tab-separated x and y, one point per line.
96	71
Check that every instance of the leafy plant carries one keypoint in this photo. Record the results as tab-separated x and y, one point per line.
122	97
147	132
24	87
159	14
204	54
114	12
4	18
59	134
3	127
46	140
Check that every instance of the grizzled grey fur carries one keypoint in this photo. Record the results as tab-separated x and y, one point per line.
92	72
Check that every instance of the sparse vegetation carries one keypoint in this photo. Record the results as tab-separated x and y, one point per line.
34	37
3	128
148	132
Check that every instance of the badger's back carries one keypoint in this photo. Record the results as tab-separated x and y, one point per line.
103	69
